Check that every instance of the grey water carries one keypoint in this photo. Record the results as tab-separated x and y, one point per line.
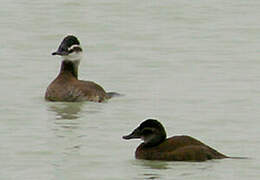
193	65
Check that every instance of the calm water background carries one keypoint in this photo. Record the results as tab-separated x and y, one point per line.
194	65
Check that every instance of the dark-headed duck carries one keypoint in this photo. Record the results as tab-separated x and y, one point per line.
176	148
66	86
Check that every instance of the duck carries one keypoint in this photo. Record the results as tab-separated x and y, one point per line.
156	146
66	86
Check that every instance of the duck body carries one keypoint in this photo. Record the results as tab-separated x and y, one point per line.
66	86
178	148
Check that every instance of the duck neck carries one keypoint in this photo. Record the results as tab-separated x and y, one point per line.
155	139
70	66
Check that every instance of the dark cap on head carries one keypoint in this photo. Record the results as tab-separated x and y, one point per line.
147	128
151	123
67	42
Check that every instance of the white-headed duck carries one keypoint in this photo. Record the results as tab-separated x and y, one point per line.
66	86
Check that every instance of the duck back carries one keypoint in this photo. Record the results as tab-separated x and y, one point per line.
178	148
68	88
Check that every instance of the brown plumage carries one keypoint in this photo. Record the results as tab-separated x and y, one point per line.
176	148
66	86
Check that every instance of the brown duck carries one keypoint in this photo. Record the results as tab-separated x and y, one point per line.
176	148
66	86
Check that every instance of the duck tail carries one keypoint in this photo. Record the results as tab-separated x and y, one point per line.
113	94
238	157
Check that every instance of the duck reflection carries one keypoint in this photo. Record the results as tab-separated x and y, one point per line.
67	111
151	176
153	164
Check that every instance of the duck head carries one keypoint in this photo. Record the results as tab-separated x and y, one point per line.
70	49
150	131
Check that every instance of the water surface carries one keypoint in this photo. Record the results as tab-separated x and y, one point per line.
194	65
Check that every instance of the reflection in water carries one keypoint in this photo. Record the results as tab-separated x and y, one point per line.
153	169
67	135
66	110
72	110
72	149
152	176
151	165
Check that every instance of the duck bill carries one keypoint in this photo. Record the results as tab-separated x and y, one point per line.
62	50
60	53
136	134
